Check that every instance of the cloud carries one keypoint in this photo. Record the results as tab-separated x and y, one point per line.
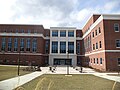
54	12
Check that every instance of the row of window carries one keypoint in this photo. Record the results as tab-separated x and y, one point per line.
100	45
97	31
62	33
19	31
62	47
96	61
22	44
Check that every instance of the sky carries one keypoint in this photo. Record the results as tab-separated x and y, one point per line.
53	13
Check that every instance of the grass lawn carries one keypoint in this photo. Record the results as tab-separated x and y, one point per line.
74	82
7	72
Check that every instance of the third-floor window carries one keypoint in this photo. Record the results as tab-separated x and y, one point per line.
54	33
70	33
62	33
116	27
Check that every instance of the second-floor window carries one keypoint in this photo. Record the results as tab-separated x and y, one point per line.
96	45
116	27
117	43
46	46
78	47
70	47
54	47
93	34
62	47
100	44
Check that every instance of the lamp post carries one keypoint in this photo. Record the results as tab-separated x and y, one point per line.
19	64
67	62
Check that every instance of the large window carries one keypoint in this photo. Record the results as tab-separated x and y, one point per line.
22	44
70	33
78	47
9	44
15	44
54	47
116	27
55	33
28	44
3	44
118	61
62	47
46	46
70	47
117	43
62	33
34	45
99	30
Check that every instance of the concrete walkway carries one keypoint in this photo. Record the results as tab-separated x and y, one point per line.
12	83
109	77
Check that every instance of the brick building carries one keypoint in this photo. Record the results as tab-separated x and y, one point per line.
97	45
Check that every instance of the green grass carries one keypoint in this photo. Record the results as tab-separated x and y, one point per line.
74	82
7	72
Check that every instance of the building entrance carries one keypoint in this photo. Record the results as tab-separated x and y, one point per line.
60	61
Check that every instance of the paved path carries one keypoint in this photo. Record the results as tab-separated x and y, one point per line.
109	77
12	83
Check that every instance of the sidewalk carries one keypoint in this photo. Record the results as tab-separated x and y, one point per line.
12	83
104	75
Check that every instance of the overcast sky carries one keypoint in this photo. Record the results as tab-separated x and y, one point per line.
54	12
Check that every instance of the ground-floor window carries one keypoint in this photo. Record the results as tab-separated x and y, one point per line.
118	61
62	61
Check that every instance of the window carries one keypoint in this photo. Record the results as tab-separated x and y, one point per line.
96	45
70	47
78	47
62	47
15	44
116	27
46	46
55	33
16	30
9	44
100	44
62	33
28	44
94	60
92	34
34	45
96	32
29	31
100	60
117	43
54	47
70	33
35	31
22	31
118	61
91	60
3	44
99	30
93	46
22	44
97	60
